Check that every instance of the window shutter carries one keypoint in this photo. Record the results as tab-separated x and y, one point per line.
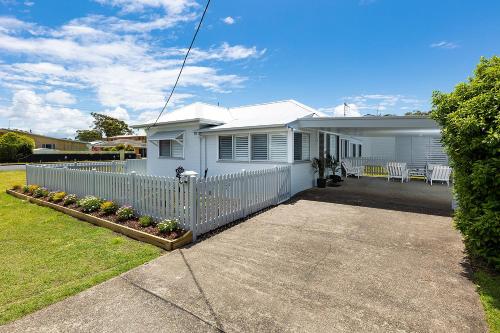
305	146
225	147
297	146
241	148
259	147
278	147
165	148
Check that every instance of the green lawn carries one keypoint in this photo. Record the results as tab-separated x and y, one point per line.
46	256
489	293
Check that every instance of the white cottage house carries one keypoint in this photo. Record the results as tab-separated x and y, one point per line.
213	140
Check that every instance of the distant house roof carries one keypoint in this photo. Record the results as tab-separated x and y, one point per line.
259	115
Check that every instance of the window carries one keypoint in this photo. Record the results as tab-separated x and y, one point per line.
172	148
241	148
259	147
49	145
353	147
360	155
225	147
328	145
300	146
278	147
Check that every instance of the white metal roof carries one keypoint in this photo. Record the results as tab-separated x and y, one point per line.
257	115
198	111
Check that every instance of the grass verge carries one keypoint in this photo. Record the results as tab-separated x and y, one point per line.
488	286
47	256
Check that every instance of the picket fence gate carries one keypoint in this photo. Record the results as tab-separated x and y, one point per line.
199	204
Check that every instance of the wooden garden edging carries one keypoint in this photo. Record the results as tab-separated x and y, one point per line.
166	244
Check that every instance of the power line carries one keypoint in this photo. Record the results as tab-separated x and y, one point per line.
182	66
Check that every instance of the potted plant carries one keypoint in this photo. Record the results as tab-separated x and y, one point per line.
318	165
332	164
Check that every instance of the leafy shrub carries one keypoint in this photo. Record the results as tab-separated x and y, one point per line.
59	196
50	196
146	221
89	204
14	146
32	188
168	225
16	187
70	199
109	207
40	192
25	189
469	117
125	213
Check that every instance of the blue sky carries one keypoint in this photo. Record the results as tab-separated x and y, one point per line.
60	60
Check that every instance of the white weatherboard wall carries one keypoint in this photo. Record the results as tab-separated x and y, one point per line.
302	172
165	166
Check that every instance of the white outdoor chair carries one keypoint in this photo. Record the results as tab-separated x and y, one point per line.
440	173
352	170
428	170
397	170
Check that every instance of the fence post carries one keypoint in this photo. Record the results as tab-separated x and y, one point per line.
276	184
131	184
113	166
65	179
244	193
193	204
44	177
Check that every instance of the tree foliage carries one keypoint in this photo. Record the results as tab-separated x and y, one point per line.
470	120
88	135
417	113
110	126
15	146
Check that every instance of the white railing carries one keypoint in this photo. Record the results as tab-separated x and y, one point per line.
199	204
138	166
115	166
373	166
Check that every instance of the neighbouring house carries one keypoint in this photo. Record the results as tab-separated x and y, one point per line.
136	141
46	142
213	140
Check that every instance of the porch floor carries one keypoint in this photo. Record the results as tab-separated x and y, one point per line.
415	196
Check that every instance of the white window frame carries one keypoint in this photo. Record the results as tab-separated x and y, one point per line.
181	142
249	159
308	159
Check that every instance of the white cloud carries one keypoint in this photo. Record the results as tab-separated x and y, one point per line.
376	104
113	62
118	113
60	97
444	45
229	20
352	110
28	111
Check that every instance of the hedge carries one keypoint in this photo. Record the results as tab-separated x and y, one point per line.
470	120
14	146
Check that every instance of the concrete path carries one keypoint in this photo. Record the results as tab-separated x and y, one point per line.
307	266
10	167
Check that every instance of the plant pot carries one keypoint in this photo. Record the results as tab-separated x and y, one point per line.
335	178
321	182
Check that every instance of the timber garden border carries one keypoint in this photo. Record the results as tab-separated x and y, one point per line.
163	243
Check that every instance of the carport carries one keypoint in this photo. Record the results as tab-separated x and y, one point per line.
372	142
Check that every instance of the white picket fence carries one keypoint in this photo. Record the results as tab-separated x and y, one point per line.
199	204
139	166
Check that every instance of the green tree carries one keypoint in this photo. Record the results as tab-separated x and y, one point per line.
470	120
110	126
15	146
88	135
417	113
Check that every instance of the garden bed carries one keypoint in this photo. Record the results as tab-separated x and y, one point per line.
131	228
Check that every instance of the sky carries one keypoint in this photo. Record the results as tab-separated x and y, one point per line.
62	60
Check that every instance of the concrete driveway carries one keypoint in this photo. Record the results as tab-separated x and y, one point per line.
306	266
